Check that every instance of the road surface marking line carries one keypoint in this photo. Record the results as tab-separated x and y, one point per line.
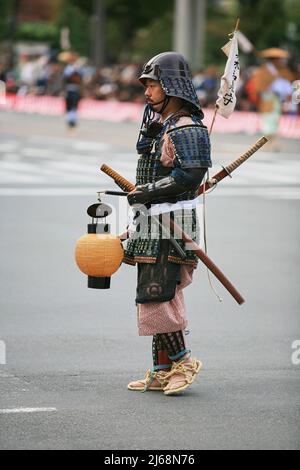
279	193
27	410
90	191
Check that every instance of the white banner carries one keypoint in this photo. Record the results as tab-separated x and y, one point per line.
226	97
244	43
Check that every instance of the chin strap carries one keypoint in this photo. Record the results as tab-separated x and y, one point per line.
148	117
165	104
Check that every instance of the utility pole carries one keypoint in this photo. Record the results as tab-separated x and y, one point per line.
13	25
189	30
200	33
183	27
98	33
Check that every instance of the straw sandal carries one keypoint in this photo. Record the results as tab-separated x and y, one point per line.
154	381
182	375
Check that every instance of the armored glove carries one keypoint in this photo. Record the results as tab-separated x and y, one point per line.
168	188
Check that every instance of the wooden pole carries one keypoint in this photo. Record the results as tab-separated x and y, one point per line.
214	118
237	25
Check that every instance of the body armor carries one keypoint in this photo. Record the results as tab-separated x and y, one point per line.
192	150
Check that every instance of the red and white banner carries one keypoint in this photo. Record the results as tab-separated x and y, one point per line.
114	111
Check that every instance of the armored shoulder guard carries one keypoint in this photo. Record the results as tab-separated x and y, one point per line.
191	146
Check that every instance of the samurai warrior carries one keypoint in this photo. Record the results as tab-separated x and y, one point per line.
174	156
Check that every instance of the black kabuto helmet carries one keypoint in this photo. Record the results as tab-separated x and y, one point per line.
172	71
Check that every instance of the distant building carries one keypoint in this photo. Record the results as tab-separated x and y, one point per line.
39	10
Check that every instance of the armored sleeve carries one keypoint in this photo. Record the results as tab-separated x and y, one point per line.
169	187
191	146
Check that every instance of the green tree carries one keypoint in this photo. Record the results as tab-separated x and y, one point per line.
264	22
129	21
220	22
126	21
5	18
77	18
9	19
153	38
8	28
293	30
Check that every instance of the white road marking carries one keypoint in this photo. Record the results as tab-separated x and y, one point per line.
229	156
64	169
11	157
8	146
88	191
276	172
266	192
51	172
74	167
90	145
21	167
27	410
10	177
42	152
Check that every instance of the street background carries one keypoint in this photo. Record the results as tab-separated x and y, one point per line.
74	349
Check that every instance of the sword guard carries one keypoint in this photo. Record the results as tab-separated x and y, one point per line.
225	169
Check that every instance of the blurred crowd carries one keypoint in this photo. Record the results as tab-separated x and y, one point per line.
43	75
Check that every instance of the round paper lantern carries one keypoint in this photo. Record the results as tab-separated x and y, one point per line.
99	256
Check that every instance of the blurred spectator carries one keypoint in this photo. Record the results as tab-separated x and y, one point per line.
207	84
72	77
272	82
129	87
54	78
2	73
247	95
105	84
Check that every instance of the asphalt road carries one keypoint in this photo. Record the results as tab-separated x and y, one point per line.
70	351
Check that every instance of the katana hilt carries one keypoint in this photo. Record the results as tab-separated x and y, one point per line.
234	165
124	184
